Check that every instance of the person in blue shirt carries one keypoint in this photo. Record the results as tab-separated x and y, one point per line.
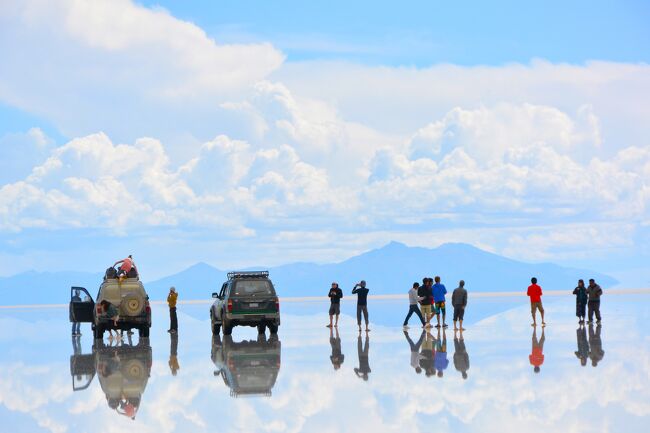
439	292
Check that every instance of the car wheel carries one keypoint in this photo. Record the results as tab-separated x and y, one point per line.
216	328
227	328
98	332
261	329
144	332
273	329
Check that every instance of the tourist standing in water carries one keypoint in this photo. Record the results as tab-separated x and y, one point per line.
335	296
362	302
424	293
594	293
535	294
413	305
459	302
439	291
581	301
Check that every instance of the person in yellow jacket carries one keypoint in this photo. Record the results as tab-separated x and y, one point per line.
171	301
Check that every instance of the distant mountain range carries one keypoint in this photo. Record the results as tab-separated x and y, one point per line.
387	270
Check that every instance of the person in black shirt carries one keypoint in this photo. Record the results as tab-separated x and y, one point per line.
425	294
335	296
362	302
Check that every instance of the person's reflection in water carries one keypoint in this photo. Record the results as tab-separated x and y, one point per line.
441	361
364	363
596	352
173	353
583	346
461	358
427	355
415	351
336	357
536	357
76	345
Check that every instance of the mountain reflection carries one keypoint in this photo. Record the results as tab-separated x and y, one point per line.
247	367
123	371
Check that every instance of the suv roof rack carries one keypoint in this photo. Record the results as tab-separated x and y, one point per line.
247	274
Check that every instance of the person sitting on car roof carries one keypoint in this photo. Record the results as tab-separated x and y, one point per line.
127	265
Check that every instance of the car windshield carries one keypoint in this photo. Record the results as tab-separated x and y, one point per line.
250	287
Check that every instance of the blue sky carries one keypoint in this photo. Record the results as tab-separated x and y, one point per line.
242	133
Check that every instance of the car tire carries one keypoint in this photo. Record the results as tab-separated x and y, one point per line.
261	329
216	328
98	332
273	329
227	328
132	305
144	332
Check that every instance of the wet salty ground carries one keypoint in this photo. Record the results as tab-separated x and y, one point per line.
592	380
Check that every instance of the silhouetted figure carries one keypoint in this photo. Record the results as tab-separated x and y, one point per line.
461	358
173	354
337	356
581	301
364	363
583	346
335	294
76	326
415	351
536	357
596	352
361	291
593	305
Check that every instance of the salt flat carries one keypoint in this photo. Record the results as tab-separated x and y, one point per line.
594	379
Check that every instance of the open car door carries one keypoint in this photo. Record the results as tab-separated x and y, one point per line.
81	305
82	370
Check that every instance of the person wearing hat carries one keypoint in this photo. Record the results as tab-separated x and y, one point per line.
171	301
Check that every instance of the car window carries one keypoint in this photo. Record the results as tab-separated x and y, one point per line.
250	287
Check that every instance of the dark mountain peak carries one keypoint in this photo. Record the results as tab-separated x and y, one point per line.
200	266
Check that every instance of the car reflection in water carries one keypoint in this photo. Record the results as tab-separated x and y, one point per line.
248	367
123	371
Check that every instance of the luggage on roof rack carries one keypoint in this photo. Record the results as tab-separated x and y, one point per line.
247	274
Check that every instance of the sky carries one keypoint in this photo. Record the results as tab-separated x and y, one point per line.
260	133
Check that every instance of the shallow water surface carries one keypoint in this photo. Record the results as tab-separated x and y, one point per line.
312	379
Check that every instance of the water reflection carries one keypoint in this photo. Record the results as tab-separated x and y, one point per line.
427	355
596	352
363	351
173	353
536	356
123	371
583	346
415	351
337	356
247	367
461	357
441	361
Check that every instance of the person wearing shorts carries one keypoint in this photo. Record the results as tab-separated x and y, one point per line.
535	294
335	296
459	302
424	293
439	291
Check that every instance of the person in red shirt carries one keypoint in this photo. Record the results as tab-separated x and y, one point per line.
536	356
126	266
535	294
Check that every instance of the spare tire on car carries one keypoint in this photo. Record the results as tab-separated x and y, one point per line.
132	305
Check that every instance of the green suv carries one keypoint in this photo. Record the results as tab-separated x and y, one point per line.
246	299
